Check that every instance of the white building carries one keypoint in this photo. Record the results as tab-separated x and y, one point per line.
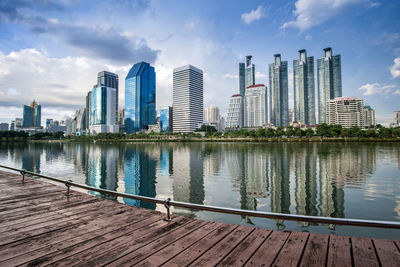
103	111
211	114
187	98
255	106
369	115
346	111
396	116
235	112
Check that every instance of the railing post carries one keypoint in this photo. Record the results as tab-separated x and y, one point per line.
23	175
167	205
68	185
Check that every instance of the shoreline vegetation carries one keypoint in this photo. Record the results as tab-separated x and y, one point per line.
322	133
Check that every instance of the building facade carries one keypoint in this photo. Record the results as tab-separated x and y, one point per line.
246	75
329	73
396	117
32	115
140	97
369	115
187	98
235	112
304	89
4	126
166	119
102	113
255	106
279	95
109	79
211	114
346	111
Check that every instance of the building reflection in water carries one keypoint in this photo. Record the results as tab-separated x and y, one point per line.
166	160
31	157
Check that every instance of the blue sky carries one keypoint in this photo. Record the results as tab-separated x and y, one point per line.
51	51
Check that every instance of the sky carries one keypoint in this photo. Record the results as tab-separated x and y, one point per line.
51	51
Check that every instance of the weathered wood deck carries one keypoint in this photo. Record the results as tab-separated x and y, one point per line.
41	226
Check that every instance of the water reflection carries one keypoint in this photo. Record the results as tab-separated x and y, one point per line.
300	178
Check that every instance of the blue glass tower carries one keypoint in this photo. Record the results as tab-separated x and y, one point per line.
166	119
32	115
140	97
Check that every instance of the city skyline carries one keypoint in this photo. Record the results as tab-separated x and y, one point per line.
52	51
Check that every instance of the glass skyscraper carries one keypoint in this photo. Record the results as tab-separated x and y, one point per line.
32	115
109	79
166	119
304	88
278	92
329	81
246	75
140	97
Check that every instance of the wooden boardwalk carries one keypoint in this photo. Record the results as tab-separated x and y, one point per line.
40	226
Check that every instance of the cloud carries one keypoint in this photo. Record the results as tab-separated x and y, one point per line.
395	69
253	15
376	88
397	92
310	13
230	76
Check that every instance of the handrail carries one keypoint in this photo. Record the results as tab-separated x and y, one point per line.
262	214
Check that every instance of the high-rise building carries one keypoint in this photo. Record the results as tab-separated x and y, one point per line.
12	126
87	119
80	119
4	126
304	89
102	106
246	75
346	111
121	120
187	98
166	119
32	115
279	95
211	114
255	106
234	119
396	116
48	123
140	97
369	115
291	116
109	79
329	81
18	122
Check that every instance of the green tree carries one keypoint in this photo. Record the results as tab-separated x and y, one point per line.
299	132
309	132
290	131
323	129
279	132
260	132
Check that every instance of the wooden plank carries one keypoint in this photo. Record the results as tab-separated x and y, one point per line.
51	251
178	246
316	251
292	251
214	255
109	246
242	253
267	252
388	254
363	252
200	247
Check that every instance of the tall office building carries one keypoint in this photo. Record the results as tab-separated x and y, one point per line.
396	117
346	111
187	98
279	95
255	106
329	81
369	115
32	115
87	118
246	75
140	97
304	88
102	102
234	119
166	119
211	114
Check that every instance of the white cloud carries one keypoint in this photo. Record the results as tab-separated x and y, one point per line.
310	13
397	92
253	15
230	76
395	69
376	88
260	75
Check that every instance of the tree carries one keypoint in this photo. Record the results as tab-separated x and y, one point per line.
207	129
323	129
290	131
269	132
309	132
279	131
299	132
260	132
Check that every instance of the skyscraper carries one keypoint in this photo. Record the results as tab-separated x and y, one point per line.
140	97
246	75
279	95
304	88
187	98
102	102
396	118
211	114
234	119
255	106
166	119
32	115
329	81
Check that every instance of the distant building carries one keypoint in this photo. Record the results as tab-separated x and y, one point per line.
279	95
396	117
12	126
346	111
4	126
369	115
48	123
154	128
166	119
235	112
121	120
246	75
255	106
304	88
32	115
291	116
103	109
329	73
87	119
140	97
187	98
80	119
18	122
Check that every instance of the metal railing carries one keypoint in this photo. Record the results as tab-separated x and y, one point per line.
261	214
